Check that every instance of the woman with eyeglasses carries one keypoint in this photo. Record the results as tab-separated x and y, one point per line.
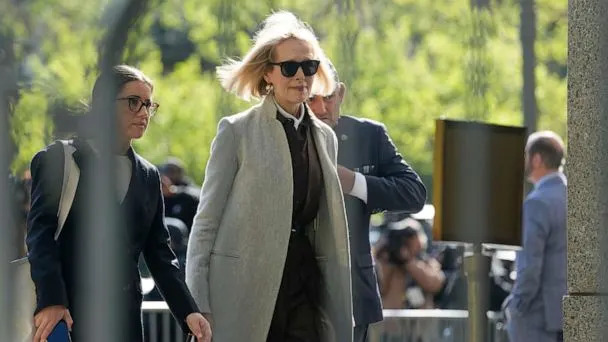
268	252
55	265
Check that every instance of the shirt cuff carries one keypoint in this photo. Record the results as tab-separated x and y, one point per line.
360	187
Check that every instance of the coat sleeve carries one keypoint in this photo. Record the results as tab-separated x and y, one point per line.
396	186
43	252
164	266
219	176
531	257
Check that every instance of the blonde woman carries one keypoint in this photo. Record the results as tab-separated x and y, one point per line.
268	256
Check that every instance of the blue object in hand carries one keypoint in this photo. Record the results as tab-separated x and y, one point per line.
60	333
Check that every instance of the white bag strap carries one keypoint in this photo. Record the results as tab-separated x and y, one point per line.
71	174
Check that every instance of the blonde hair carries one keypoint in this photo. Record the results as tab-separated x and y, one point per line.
245	78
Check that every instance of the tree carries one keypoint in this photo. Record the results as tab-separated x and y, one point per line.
406	63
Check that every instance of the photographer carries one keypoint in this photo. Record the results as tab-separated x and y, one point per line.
408	277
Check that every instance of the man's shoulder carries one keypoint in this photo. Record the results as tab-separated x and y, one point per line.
545	197
359	125
359	122
555	187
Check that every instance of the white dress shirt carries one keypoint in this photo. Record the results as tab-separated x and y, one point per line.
359	189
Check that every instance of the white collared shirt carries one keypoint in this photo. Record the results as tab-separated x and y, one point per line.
296	121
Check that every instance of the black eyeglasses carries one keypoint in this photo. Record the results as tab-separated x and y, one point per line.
290	68
136	104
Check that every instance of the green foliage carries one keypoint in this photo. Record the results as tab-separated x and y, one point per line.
186	121
30	126
405	62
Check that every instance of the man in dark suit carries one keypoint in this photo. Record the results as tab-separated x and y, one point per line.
534	307
374	178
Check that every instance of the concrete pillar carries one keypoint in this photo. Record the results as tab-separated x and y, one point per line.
587	170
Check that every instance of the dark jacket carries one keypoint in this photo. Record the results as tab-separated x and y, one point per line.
54	265
365	147
183	204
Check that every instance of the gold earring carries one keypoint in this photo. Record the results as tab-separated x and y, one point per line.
269	88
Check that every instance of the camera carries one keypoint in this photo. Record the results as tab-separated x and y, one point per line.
397	236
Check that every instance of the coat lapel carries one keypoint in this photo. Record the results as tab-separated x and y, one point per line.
275	148
321	142
331	245
140	194
135	180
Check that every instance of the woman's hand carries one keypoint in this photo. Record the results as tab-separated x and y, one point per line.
46	320
199	326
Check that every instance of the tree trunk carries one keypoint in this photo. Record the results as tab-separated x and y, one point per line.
478	65
9	226
227	48
120	18
528	37
346	65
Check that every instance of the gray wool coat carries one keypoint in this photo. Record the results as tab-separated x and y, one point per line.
239	238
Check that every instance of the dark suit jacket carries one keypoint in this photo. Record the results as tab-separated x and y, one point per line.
54	264
365	147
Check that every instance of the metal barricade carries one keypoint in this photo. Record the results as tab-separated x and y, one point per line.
497	327
420	326
159	324
398	326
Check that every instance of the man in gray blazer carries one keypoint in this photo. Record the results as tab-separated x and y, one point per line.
534	310
374	177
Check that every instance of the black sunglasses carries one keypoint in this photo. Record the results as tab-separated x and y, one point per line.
136	104
290	68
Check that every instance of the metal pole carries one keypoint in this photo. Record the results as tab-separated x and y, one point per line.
477	269
101	271
105	239
8	224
